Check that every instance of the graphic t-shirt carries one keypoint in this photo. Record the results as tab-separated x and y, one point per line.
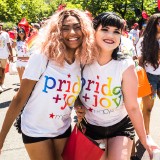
102	92
48	111
126	47
148	67
22	49
4	39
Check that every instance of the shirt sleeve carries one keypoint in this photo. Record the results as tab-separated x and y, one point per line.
36	66
127	63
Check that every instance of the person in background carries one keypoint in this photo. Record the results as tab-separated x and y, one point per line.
21	50
51	83
5	53
126	45
148	50
35	28
31	40
124	30
109	94
135	32
142	30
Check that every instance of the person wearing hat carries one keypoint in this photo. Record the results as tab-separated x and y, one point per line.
135	33
4	55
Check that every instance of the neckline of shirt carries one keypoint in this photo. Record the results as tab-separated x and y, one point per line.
105	65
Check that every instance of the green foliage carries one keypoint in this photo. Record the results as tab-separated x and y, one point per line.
35	10
9	25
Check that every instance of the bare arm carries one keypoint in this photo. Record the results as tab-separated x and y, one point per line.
80	109
130	90
14	44
11	53
15	107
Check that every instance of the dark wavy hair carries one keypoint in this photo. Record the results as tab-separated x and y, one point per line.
18	37
109	19
150	44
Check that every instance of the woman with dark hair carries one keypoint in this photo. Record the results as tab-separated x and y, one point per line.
51	83
109	94
148	50
21	50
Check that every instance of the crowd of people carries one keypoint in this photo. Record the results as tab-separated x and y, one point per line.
87	64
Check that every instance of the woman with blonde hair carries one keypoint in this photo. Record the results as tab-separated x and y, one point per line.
50	84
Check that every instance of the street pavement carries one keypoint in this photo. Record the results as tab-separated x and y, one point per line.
13	147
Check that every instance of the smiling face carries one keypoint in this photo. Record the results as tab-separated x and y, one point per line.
21	32
71	33
108	38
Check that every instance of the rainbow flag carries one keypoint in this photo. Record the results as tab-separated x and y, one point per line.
30	41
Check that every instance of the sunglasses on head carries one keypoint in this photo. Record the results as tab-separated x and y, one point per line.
20	31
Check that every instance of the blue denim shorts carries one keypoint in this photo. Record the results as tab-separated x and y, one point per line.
154	80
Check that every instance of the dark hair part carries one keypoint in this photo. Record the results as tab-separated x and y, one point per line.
18	37
150	44
109	19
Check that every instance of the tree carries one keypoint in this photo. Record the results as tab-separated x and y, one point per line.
35	10
125	8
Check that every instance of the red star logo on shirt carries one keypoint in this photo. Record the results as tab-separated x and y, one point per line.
90	109
69	76
51	115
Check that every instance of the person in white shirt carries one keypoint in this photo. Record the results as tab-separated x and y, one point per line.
135	32
109	94
148	50
5	53
22	53
52	79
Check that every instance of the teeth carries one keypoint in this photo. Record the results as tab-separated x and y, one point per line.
108	41
72	39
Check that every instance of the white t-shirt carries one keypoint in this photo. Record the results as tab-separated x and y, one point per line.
4	39
102	93
135	34
148	67
126	46
21	49
48	111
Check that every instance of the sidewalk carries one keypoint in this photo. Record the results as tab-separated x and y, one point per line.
14	149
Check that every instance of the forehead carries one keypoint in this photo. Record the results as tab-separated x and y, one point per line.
108	27
70	20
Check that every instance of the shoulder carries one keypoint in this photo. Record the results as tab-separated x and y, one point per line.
126	63
131	30
38	55
5	33
38	59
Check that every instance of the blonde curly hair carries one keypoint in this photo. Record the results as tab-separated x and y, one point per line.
52	42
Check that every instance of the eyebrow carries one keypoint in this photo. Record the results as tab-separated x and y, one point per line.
111	26
70	25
